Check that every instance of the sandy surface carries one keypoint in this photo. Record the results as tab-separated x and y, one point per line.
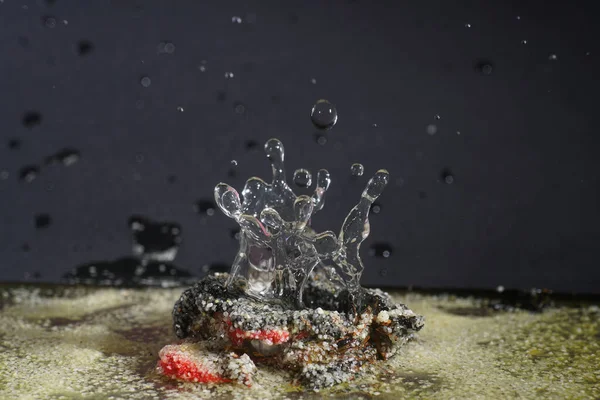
92	343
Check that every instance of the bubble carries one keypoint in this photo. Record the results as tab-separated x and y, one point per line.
42	220
431	129
31	119
236	20
180	109
357	169
84	47
28	173
302	178
323	114
552	57
145	81
229	75
380	250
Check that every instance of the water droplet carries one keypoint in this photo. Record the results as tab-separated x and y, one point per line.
84	47
323	114
500	289
313	81
524	41
467	25
14	144
376	208
169	48
381	250
180	109
447	176
28	173
302	178
239	108
42	221
202	68
552	57
234	163
383	272
236	20
321	139
4	174
357	169
458	132
437	116
229	75
49	21
145	81
431	129
205	207
31	119
484	67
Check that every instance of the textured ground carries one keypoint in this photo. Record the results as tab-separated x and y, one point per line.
100	343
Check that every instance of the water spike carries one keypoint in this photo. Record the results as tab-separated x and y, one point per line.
228	200
303	208
323	182
254	193
281	196
376	185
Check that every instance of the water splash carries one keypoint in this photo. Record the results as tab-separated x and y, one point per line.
278	248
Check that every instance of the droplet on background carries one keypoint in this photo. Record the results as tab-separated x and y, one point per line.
169	48
357	169
180	109
229	75
234	163
552	57
380	250
375	208
42	220
31	119
4	174
66	157
324	114
437	116
236	20
28	173
49	21
84	47
447	176
321	139
302	178
467	25
431	129
145	81
523	41
484	67
239	108
313	81
205	207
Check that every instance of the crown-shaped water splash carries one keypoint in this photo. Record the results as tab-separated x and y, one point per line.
278	249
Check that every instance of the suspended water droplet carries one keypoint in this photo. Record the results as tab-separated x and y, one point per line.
169	48
229	75
28	173
431	129
524	41
236	20
66	157
239	108
518	17
4	174
302	178
323	114
383	272
484	67
357	169
234	163
313	81
145	81
437	116
380	250
202	68
552	57
180	109
467	25
42	220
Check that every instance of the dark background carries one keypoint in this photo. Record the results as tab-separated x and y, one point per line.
514	84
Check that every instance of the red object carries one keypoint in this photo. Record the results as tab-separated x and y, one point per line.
176	364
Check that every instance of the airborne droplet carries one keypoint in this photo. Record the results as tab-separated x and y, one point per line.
302	178
323	114
357	169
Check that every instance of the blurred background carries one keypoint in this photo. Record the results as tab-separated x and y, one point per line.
119	117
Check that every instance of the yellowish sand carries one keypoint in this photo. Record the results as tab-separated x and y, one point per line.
103	343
